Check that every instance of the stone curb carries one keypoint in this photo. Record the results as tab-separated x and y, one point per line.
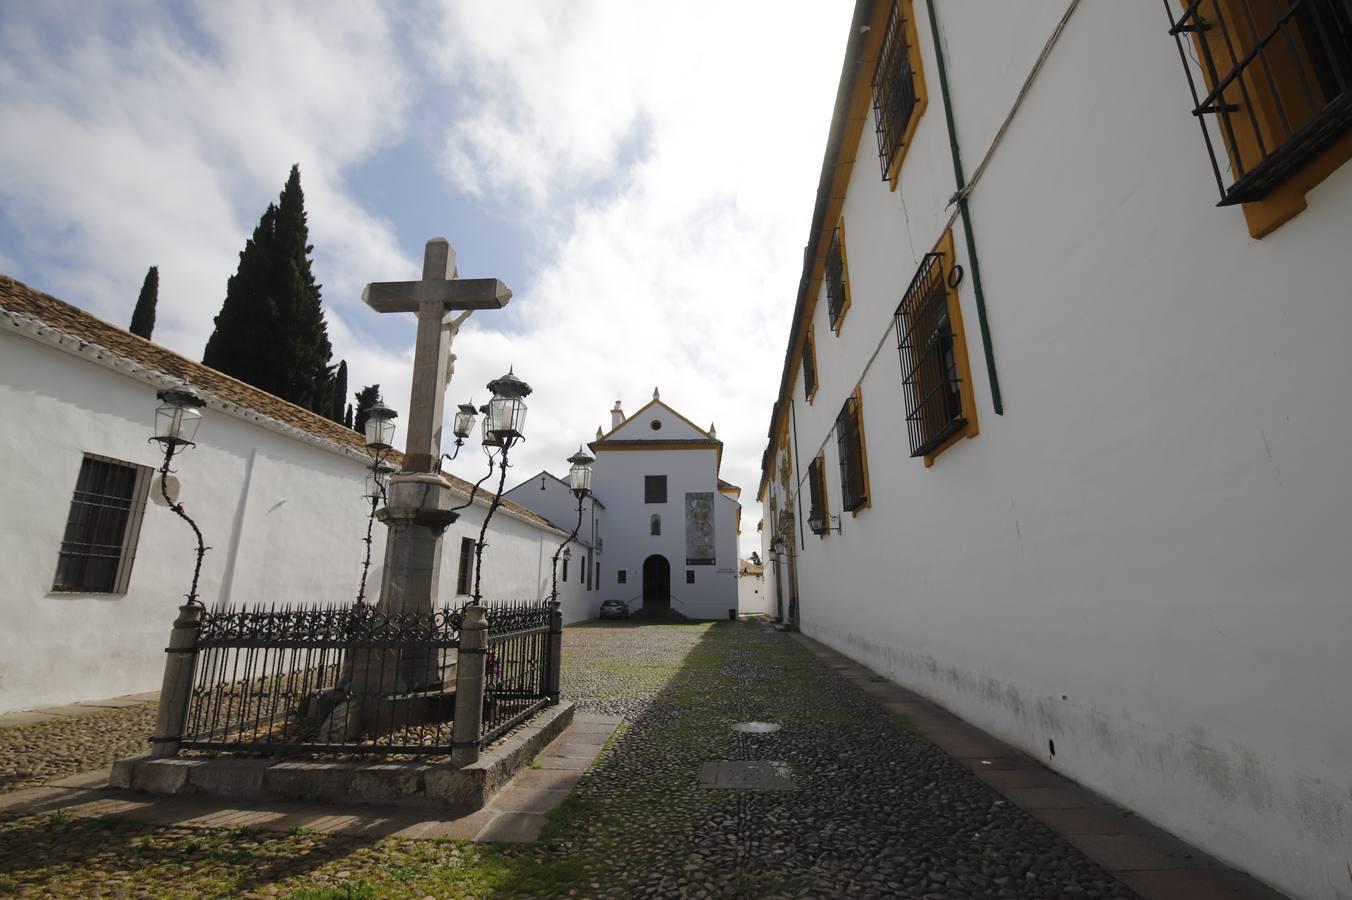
376	782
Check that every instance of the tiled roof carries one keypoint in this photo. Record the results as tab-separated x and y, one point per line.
19	298
727	486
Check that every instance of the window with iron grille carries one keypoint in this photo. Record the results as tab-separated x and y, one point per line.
464	575
654	489
1275	84
816	487
929	362
809	366
894	91
837	289
622	576
103	527
850	449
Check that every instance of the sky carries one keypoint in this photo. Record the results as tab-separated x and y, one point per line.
640	173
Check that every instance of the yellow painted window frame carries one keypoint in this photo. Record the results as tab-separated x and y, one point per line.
906	9
863	454
845	280
818	472
810	345
1287	200
947	249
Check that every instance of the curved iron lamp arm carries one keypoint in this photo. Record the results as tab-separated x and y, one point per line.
483	529
475	489
370	524
178	510
554	564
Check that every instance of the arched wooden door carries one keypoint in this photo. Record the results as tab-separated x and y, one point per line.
656	581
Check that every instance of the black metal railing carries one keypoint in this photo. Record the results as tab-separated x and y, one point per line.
834	275
1276	84
517	665
928	360
894	93
346	679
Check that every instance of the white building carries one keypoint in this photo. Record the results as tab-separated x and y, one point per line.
664	526
752	598
1078	437
94	573
579	564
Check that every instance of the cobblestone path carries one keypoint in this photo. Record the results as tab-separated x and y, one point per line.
876	810
35	754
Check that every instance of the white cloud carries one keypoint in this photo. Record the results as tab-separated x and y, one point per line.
683	272
142	148
664	156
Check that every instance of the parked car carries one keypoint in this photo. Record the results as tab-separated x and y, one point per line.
614	609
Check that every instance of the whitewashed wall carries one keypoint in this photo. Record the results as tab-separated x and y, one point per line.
1145	560
618	481
752	597
284	520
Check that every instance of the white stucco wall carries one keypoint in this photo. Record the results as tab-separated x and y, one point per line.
752	597
284	520
1145	560
618	481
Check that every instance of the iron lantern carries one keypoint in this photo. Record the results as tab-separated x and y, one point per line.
464	421
507	409
178	416
580	475
380	426
814	521
488	439
377	477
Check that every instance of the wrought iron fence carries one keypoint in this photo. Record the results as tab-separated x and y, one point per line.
345	679
517	665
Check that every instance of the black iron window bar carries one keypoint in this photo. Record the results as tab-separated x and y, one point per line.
928	362
1280	83
850	450
100	513
835	277
809	368
894	97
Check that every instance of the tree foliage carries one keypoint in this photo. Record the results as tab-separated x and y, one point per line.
143	317
271	331
366	398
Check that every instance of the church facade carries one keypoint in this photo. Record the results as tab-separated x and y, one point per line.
662	525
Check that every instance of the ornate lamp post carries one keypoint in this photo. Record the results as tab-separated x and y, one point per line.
379	431
579	481
504	427
464	424
176	423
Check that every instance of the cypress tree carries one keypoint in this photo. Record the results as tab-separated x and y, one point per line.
271	331
338	393
143	317
347	419
366	398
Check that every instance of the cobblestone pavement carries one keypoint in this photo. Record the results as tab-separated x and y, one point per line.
877	810
35	754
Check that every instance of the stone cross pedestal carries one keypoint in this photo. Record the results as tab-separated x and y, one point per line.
418	497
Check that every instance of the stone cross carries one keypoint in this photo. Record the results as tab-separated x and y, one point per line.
434	298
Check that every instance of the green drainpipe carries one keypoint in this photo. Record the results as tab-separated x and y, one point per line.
996	400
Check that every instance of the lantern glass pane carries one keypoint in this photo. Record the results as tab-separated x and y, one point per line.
379	432
463	423
506	416
176	424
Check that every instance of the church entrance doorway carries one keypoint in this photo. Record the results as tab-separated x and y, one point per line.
656	581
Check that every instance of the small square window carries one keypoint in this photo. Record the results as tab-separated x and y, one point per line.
654	489
689	576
